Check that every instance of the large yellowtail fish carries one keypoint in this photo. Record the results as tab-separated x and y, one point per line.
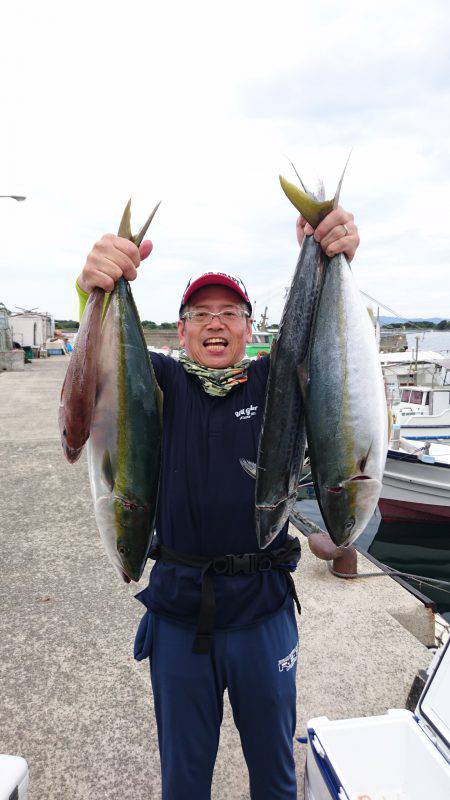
283	434
345	405
124	446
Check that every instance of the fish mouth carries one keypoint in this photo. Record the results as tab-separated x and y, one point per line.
215	344
341	486
71	453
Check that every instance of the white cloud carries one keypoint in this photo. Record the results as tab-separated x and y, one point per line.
197	104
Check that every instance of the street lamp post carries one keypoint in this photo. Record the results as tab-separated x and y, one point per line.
18	197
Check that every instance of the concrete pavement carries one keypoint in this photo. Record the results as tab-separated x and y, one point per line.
73	702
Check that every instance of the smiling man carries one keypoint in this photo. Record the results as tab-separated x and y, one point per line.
219	613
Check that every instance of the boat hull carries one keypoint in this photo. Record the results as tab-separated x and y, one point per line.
406	511
414	490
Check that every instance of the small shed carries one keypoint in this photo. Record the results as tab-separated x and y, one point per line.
10	358
5	329
31	328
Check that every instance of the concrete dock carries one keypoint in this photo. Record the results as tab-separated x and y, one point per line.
73	701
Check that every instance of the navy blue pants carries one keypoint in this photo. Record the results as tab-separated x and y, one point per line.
257	666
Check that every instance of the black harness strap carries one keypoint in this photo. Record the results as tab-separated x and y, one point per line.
284	558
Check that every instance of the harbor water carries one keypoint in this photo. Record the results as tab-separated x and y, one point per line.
438	341
415	548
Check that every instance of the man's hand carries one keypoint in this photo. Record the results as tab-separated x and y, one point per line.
331	233
110	258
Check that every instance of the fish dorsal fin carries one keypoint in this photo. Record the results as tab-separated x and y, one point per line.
107	471
125	223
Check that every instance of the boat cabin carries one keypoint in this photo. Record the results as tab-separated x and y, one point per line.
423	400
260	344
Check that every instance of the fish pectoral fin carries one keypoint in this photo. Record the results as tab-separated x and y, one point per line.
304	524
107	471
249	467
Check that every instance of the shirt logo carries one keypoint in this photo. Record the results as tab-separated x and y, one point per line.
288	662
246	413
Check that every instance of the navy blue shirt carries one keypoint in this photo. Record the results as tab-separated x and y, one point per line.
207	501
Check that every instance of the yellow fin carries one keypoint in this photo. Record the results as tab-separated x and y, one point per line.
312	210
125	223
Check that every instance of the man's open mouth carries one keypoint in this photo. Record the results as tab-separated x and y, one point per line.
215	344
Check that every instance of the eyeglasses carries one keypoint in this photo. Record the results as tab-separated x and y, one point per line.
206	317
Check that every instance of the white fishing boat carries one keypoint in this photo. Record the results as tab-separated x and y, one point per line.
423	413
416	482
414	368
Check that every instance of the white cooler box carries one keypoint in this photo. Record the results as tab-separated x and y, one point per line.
396	756
13	778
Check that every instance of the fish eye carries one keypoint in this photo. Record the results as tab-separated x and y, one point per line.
121	549
349	523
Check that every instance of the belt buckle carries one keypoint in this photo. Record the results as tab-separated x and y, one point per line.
223	565
265	563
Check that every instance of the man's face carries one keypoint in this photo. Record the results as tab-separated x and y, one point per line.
215	344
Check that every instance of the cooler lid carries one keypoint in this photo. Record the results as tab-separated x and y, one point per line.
434	703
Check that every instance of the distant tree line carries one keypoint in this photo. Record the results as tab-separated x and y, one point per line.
147	323
443	325
67	324
72	325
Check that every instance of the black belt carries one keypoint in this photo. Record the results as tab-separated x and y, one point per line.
284	558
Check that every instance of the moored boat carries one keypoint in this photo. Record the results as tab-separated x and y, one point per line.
416	483
423	413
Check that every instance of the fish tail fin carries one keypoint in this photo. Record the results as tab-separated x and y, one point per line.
125	222
339	186
139	236
310	208
306	191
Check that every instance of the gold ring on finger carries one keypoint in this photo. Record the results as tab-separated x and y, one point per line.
347	232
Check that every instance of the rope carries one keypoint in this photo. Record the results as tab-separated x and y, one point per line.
421	579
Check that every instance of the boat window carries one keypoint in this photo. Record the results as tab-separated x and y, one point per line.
405	395
416	397
427	399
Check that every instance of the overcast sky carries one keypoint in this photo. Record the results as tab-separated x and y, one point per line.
198	104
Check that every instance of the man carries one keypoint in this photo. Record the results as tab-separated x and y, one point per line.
216	619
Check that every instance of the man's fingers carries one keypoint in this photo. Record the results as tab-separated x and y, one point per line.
347	245
128	248
338	233
145	249
336	217
124	262
102	280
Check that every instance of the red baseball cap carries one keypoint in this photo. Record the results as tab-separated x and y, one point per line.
217	279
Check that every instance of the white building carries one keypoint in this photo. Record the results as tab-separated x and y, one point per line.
31	329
